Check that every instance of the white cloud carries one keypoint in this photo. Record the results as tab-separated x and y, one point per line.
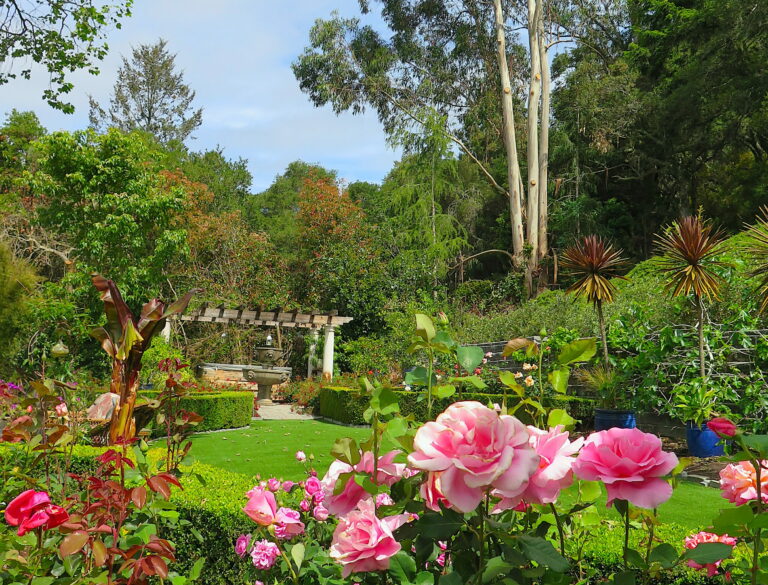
236	55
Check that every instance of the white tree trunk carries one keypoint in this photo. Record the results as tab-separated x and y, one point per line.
514	180
546	89
534	94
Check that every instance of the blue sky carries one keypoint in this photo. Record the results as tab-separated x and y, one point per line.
236	55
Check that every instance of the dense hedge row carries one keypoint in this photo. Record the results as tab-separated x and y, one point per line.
220	410
347	406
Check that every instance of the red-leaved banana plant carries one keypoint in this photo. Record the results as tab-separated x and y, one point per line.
125	338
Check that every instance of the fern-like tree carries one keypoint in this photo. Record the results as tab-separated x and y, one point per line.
594	262
689	249
758	249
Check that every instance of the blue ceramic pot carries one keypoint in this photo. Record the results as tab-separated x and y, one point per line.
608	419
702	442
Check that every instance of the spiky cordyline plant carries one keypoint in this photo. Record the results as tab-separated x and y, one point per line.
689	248
758	249
125	338
594	262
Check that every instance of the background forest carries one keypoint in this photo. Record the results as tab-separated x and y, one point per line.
649	110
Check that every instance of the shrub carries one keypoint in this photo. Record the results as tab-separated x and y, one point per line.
347	406
220	410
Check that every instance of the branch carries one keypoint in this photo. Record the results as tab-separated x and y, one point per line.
451	137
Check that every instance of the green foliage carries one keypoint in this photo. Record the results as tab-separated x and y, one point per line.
17	288
150	96
221	410
347	406
61	35
107	195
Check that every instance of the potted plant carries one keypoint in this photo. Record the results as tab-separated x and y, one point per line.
606	384
694	404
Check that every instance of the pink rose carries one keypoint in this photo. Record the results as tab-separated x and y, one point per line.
261	506
305	505
362	542
320	513
242	544
722	427
312	486
696	539
31	509
288	486
389	472
301	456
273	484
630	463
288	524
61	409
555	470
738	482
264	554
384	500
431	492
475	449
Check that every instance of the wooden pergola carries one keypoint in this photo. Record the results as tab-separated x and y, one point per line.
278	318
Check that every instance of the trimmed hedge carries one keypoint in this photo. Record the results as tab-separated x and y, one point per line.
220	410
347	406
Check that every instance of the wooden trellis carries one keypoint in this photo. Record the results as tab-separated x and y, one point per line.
259	317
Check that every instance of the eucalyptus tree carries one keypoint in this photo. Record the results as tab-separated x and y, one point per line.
460	60
60	35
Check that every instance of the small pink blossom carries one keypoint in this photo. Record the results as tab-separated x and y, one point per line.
305	505
288	486
288	524
264	554
301	456
630	463
384	500
320	513
242	545
738	482
273	484
61	409
697	539
362	542
261	506
475	449
389	472
312	486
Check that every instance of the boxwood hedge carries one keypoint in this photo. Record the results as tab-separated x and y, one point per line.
220	410
347	406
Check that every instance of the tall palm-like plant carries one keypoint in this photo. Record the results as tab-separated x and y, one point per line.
689	248
758	249
125	338
594	262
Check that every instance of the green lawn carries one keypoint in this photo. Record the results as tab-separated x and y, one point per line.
268	448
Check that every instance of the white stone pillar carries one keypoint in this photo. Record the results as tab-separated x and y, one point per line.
328	353
166	332
312	352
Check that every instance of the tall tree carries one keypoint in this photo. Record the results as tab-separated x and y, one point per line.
61	35
451	58
149	95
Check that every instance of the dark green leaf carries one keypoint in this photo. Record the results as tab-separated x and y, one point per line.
402	567
542	552
664	554
440	526
709	552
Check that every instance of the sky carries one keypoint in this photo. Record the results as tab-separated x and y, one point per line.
236	54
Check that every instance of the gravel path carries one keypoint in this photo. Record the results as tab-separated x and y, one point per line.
280	412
